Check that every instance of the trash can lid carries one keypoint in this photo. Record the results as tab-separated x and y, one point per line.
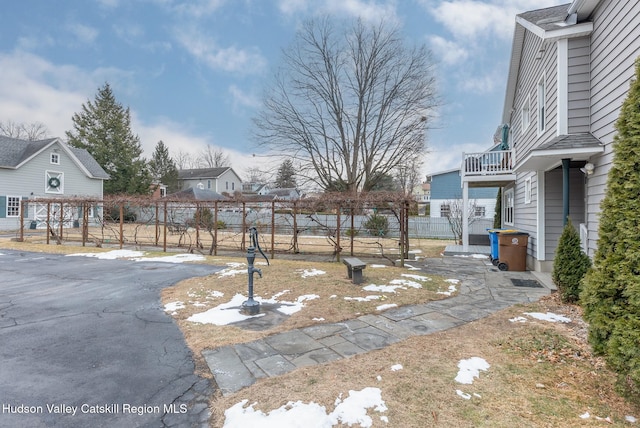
513	232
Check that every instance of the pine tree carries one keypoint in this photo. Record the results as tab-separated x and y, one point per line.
611	295
163	168
570	264
497	217
286	175
103	128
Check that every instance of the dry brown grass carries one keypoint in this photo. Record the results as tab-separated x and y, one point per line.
542	374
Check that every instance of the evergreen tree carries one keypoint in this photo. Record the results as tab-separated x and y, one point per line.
570	264
163	168
611	289
497	217
286	177
103	128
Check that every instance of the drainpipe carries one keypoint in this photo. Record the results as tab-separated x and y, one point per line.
565	191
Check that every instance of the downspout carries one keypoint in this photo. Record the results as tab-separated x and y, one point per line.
565	191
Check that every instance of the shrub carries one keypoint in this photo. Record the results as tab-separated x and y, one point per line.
205	218
611	289
351	232
377	225
570	264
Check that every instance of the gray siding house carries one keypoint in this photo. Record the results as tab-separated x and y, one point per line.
571	66
221	180
45	169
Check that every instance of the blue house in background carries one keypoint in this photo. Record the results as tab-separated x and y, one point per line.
446	196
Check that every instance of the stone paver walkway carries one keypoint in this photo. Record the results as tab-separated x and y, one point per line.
483	290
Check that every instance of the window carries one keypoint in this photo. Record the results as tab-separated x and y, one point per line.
527	191
226	185
13	206
445	210
541	106
55	159
54	182
208	184
480	212
233	185
526	116
163	192
507	210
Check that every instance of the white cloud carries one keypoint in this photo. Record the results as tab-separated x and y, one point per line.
242	98
83	34
367	10
35	90
449	52
230	59
472	19
199	8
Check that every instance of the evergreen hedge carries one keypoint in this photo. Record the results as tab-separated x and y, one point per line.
611	289
570	264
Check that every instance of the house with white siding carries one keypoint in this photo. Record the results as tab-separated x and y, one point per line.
570	71
45	169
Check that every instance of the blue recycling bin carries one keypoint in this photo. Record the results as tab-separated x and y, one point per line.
493	241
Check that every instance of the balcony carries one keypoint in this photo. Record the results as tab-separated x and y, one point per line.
488	169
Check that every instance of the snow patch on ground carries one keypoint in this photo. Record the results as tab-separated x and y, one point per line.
470	369
138	256
549	316
312	272
350	411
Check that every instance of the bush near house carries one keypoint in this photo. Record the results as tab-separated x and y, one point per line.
570	264
611	289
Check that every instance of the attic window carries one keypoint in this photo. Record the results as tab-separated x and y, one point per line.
55	159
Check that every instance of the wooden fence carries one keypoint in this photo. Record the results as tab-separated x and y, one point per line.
333	226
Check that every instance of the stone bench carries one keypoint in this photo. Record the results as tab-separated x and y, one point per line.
355	267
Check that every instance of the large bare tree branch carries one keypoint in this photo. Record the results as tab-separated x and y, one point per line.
351	104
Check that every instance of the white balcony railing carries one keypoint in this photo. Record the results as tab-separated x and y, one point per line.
499	162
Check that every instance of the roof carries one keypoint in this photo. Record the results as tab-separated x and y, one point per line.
15	152
578	147
547	18
197	173
288	191
195	194
552	23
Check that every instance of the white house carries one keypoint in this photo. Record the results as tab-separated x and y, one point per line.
571	66
45	169
220	180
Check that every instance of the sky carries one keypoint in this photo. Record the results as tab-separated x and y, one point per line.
193	72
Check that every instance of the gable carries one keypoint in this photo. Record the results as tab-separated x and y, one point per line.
15	153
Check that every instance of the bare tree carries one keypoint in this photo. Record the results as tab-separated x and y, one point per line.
211	157
351	104
409	175
456	216
24	131
183	160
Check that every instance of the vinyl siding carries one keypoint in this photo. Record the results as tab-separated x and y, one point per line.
30	180
578	86
554	206
525	213
448	185
615	44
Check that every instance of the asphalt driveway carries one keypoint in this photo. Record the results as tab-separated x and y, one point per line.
86	342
